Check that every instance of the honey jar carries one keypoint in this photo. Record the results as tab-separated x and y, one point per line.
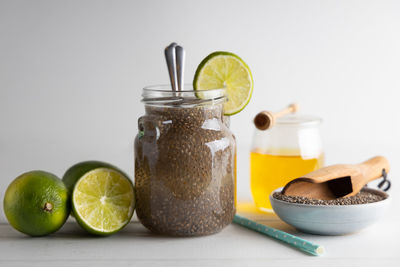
286	151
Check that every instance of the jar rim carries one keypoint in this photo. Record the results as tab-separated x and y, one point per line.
168	88
298	120
164	95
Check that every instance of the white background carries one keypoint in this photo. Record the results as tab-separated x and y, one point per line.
71	74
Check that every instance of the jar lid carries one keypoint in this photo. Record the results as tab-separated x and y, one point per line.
299	120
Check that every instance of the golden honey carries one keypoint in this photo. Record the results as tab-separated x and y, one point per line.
269	172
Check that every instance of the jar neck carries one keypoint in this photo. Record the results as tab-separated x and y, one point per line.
162	95
297	122
183	105
186	113
294	127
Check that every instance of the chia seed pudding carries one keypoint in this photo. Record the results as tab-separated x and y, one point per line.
362	197
185	170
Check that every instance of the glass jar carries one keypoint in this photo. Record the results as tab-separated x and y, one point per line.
185	163
289	150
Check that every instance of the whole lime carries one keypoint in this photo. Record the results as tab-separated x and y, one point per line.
76	171
36	203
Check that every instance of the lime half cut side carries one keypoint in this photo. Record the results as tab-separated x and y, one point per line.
103	201
225	70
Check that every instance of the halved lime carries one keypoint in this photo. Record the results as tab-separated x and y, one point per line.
103	201
226	70
72	175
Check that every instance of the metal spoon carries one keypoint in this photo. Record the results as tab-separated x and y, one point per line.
180	65
170	57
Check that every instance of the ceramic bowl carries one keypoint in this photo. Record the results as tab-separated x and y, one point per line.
330	219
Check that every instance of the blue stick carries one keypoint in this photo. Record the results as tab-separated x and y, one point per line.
292	240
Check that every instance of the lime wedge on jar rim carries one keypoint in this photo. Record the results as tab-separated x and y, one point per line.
226	70
103	201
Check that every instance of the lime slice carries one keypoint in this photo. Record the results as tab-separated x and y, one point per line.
103	201
226	70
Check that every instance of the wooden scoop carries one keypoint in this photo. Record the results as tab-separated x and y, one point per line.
342	180
266	119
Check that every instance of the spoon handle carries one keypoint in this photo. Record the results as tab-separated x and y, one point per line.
180	65
170	57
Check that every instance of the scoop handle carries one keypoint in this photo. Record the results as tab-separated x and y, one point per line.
373	167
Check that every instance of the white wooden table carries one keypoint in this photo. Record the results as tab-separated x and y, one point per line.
234	246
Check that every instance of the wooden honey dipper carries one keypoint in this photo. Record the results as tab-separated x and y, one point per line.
266	119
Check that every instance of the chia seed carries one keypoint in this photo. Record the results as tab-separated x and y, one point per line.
363	197
185	171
